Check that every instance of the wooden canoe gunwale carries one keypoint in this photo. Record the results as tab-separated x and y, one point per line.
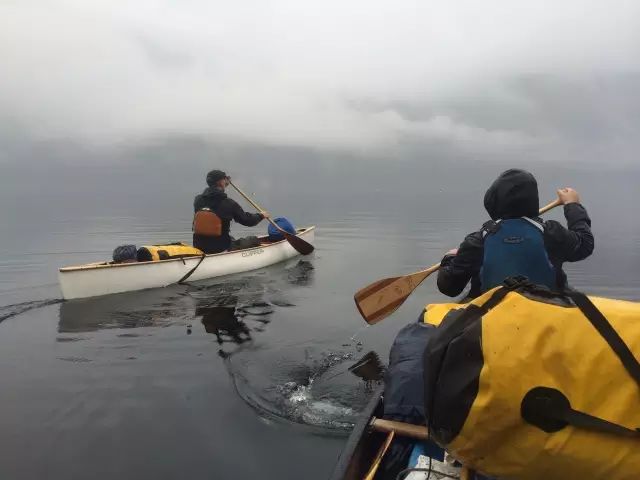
365	440
355	458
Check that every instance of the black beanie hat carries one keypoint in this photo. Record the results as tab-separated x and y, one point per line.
214	175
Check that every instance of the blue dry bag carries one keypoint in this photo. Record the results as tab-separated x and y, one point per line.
283	223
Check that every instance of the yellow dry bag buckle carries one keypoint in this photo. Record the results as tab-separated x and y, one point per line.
550	410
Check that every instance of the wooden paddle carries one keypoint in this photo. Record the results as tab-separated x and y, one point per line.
380	299
302	246
378	460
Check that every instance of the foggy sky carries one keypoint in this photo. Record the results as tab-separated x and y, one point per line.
546	80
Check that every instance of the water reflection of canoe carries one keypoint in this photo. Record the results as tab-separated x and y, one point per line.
104	278
367	442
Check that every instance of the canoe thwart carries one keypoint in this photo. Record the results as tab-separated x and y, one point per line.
402	429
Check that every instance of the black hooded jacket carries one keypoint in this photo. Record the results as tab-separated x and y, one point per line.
227	209
514	194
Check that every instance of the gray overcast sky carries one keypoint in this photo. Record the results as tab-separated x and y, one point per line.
361	76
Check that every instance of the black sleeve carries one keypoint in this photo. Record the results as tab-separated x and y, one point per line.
456	270
574	242
197	203
242	217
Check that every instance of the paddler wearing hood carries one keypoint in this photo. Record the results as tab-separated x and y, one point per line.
214	212
514	195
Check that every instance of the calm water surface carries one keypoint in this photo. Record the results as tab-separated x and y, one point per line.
236	377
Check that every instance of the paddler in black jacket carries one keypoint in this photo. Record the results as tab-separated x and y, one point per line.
510	243
213	214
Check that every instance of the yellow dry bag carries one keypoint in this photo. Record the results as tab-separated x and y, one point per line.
524	383
150	253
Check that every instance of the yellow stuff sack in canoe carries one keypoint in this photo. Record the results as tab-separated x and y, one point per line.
524	383
150	253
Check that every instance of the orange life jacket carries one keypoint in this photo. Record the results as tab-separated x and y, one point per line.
207	223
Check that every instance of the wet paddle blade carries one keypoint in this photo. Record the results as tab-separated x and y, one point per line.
303	247
369	367
377	301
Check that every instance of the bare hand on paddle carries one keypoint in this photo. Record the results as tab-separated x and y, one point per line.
568	195
380	299
302	246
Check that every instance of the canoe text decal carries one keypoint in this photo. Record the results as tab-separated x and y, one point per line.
251	253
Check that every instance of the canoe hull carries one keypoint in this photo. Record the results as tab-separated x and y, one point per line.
362	445
104	279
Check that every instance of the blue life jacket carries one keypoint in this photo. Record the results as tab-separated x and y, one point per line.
515	247
283	223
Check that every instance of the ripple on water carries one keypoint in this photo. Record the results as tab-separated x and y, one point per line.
301	384
8	311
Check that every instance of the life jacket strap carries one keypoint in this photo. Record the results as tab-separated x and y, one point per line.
492	226
535	223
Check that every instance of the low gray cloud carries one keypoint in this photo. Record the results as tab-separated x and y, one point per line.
360	77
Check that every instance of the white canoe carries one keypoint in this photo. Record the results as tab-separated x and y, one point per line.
104	278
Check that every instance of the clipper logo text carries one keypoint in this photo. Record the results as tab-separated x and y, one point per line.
251	253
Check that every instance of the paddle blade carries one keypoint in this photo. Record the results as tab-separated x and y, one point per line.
302	246
380	299
369	367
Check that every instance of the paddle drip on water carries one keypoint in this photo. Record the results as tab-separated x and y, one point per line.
352	339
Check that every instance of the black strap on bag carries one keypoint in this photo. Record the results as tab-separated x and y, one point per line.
604	328
443	427
550	410
190	272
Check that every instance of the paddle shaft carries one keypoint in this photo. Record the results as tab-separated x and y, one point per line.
556	203
257	207
380	299
301	246
376	462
